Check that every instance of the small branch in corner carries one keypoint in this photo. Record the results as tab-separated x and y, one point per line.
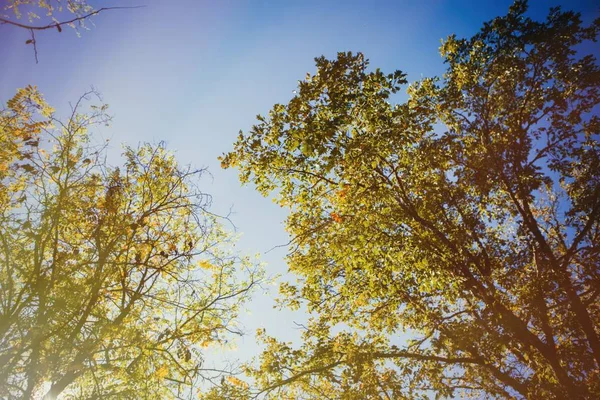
57	25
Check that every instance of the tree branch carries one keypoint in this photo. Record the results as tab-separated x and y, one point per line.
58	25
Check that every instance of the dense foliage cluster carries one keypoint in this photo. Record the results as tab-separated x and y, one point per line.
467	216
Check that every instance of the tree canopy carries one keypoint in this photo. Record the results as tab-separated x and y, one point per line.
467	216
113	279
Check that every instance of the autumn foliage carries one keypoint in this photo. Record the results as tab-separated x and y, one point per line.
112	279
449	243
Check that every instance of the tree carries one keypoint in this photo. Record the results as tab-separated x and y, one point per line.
75	12
467	217
112	279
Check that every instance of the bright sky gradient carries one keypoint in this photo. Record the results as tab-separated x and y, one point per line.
194	72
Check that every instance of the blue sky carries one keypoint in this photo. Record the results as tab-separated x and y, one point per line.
193	73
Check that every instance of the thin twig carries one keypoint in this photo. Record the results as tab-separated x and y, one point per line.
34	45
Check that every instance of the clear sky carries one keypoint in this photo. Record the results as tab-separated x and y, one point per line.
194	72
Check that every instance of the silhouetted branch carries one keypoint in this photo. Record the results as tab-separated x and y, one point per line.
58	25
